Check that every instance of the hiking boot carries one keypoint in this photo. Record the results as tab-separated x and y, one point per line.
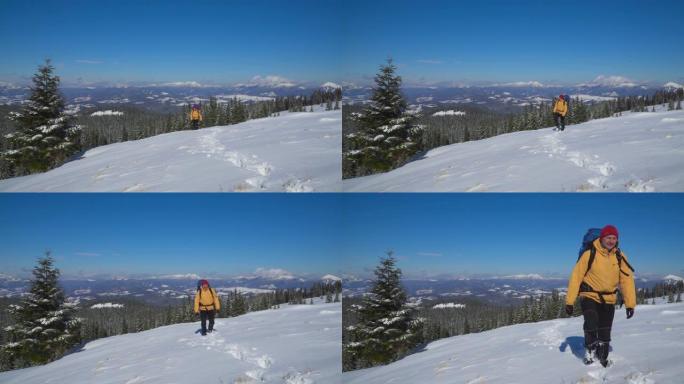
602	352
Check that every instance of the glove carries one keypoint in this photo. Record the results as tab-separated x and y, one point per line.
630	312
569	309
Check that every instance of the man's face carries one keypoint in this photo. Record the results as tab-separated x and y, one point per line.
609	241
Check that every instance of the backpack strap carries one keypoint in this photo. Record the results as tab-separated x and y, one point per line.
592	256
620	259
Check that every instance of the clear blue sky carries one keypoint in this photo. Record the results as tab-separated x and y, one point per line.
504	40
508	233
153	40
171	233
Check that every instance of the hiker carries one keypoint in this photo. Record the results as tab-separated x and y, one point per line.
207	303
560	109
195	116
600	268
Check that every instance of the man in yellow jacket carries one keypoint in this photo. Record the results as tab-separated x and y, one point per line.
195	116
207	303
560	109
594	279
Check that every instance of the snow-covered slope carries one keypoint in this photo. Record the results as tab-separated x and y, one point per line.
293	345
294	152
636	152
646	349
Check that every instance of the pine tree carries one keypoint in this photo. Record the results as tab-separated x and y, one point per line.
46	136
386	329
45	327
679	297
679	105
387	135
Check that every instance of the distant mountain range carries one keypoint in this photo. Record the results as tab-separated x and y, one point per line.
166	288
163	96
511	96
500	289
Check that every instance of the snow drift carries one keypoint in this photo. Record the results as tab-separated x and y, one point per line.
293	345
636	152
294	152
646	349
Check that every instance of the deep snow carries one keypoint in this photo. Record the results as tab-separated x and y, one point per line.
647	349
636	152
297	344
294	152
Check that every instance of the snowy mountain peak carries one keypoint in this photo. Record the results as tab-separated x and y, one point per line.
672	85
330	85
673	278
274	274
529	276
330	278
532	84
6	277
271	81
185	276
610	81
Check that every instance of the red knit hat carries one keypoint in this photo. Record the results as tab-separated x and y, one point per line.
203	282
609	230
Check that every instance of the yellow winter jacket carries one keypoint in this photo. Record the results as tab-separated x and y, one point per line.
206	300
603	276
195	114
560	107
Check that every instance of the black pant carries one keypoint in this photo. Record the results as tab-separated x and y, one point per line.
195	124
560	121
598	320
203	317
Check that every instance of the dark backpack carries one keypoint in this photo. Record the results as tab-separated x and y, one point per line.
588	245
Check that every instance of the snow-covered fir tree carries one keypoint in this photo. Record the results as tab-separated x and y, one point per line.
46	136
387	329
388	135
45	326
